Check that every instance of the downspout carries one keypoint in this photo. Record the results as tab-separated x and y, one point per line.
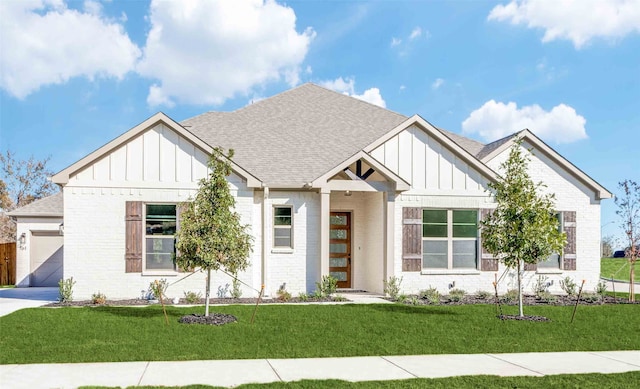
265	252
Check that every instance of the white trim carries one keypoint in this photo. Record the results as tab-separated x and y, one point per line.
600	191
281	227
62	177
432	131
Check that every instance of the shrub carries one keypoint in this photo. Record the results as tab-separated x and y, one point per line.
303	297
511	296
98	298
547	297
65	290
431	295
192	297
541	286
236	291
412	300
483	295
590	297
339	298
283	295
317	294
392	287
327	286
456	295
601	289
568	286
158	287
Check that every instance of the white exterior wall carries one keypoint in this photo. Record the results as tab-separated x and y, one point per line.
441	180
570	195
298	268
23	251
158	166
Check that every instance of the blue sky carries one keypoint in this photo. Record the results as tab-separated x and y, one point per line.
76	74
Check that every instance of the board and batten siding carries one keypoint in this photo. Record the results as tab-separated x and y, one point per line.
157	155
428	165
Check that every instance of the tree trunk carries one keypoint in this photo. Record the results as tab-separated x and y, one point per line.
632	279
520	311
206	293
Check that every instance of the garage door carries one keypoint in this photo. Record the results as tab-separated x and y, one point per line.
46	258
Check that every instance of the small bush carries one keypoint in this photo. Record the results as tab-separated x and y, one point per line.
590	297
283	295
456	295
192	297
158	287
402	298
431	295
541	286
392	287
98	298
547	297
327	286
236	290
303	297
412	300
511	296
601	289
483	295
65	290
317	294
339	298
568	286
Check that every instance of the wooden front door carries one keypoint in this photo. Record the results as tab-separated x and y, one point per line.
340	248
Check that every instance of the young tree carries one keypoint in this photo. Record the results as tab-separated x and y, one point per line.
629	212
523	228
21	182
211	236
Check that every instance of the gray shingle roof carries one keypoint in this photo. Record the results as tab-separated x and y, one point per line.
295	137
487	149
51	206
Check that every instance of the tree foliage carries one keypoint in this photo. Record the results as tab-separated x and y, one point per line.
629	211
523	228
21	183
211	235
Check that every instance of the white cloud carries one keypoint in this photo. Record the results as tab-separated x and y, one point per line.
204	52
495	120
415	33
579	21
437	83
44	43
347	87
395	41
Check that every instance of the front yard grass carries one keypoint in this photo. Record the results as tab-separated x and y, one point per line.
582	381
103	334
618	268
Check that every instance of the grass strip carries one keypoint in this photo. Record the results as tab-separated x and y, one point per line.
582	381
113	334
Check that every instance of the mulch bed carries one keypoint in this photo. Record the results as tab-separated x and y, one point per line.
214	319
214	301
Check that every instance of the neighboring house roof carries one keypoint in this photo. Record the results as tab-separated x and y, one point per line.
51	206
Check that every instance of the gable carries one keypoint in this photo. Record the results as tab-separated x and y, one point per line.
158	155
427	163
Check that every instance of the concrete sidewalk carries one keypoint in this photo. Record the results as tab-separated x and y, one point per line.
14	299
236	372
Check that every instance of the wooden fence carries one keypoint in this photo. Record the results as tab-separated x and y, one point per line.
7	263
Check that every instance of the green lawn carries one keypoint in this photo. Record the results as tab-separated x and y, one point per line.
583	381
42	335
616	267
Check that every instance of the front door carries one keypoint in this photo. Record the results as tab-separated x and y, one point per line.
340	248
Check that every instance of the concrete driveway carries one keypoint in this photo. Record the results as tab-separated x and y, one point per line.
14	299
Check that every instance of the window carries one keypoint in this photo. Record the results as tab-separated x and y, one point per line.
160	227
449	239
553	261
282	222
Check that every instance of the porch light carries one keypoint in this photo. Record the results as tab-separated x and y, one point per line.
22	240
61	229
347	193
